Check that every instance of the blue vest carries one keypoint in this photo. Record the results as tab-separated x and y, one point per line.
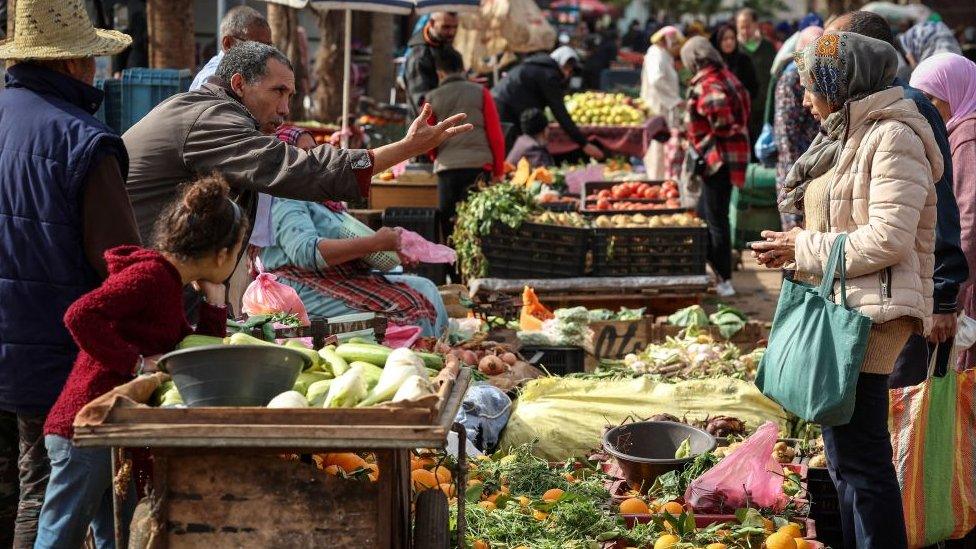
49	141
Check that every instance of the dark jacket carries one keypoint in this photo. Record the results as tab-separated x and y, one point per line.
741	66
419	74
762	62
49	140
198	132
537	82
951	269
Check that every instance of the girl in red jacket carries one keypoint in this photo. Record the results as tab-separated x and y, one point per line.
136	314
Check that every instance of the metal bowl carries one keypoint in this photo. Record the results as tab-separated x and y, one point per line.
233	375
644	450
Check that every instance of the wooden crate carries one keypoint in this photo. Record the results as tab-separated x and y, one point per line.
618	338
221	478
391	194
753	335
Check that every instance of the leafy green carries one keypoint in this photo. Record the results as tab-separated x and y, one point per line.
505	204
729	320
684	450
689	316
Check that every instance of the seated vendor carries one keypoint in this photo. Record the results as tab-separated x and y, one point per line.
531	145
326	270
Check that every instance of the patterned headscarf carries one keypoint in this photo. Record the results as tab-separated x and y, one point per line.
842	67
698	52
927	39
951	78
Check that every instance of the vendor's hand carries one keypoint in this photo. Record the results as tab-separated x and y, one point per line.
216	294
778	249
943	328
149	364
593	151
422	137
386	240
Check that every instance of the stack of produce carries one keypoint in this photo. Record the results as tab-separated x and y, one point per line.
690	357
354	374
606	109
634	195
641	221
728	320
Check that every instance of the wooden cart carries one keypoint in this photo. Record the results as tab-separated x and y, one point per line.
221	478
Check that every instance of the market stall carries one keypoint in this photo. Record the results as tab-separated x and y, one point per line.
620	124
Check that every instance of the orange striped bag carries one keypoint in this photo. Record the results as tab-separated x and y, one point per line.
933	434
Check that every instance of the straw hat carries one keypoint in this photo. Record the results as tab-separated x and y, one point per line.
59	29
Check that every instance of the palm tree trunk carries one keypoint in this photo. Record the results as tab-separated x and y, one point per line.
11	15
171	44
284	35
381	63
328	65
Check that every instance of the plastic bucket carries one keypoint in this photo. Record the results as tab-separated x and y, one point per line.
645	450
233	375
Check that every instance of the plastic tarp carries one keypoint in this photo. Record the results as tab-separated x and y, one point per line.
502	26
567	416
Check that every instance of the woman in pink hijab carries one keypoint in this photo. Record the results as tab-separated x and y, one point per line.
949	81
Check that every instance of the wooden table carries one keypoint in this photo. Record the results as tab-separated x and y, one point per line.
220	478
658	294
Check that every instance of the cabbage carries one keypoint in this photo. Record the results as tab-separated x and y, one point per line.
346	390
412	388
689	316
289	399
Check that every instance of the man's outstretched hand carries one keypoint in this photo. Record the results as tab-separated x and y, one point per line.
424	136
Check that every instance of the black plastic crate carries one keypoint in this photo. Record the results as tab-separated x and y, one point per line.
662	251
557	361
422	221
536	251
823	494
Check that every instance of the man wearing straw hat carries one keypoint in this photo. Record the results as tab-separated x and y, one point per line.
62	203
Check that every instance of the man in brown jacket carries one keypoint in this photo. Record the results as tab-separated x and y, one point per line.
228	126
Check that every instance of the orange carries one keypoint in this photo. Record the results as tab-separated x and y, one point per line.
374	471
332	469
634	506
505	490
474	482
423	479
769	525
552	495
415	464
425	462
802	543
792	529
448	489
674	508
479	545
780	540
443	474
569	477
539	515
715	546
493	497
487	505
524	501
347	461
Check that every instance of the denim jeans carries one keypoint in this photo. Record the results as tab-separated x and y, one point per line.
859	457
79	495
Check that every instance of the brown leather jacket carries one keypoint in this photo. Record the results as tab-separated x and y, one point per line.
209	130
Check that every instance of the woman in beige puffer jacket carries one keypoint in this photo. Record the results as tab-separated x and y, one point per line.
869	174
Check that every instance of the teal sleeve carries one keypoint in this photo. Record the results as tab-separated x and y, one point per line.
296	234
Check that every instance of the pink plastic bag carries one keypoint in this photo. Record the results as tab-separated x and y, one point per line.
417	248
747	477
266	296
401	336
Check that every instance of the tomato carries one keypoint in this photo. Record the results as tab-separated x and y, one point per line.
651	192
642	188
672	193
605	193
603	204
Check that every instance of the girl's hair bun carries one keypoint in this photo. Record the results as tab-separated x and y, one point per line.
202	220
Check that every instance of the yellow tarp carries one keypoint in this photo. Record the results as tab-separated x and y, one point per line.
567	416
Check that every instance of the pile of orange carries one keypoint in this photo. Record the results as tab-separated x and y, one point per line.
347	462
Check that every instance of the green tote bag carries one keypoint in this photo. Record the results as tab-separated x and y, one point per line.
816	348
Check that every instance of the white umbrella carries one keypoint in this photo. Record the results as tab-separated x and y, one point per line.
402	7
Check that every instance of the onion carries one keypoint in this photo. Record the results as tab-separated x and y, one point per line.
509	358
